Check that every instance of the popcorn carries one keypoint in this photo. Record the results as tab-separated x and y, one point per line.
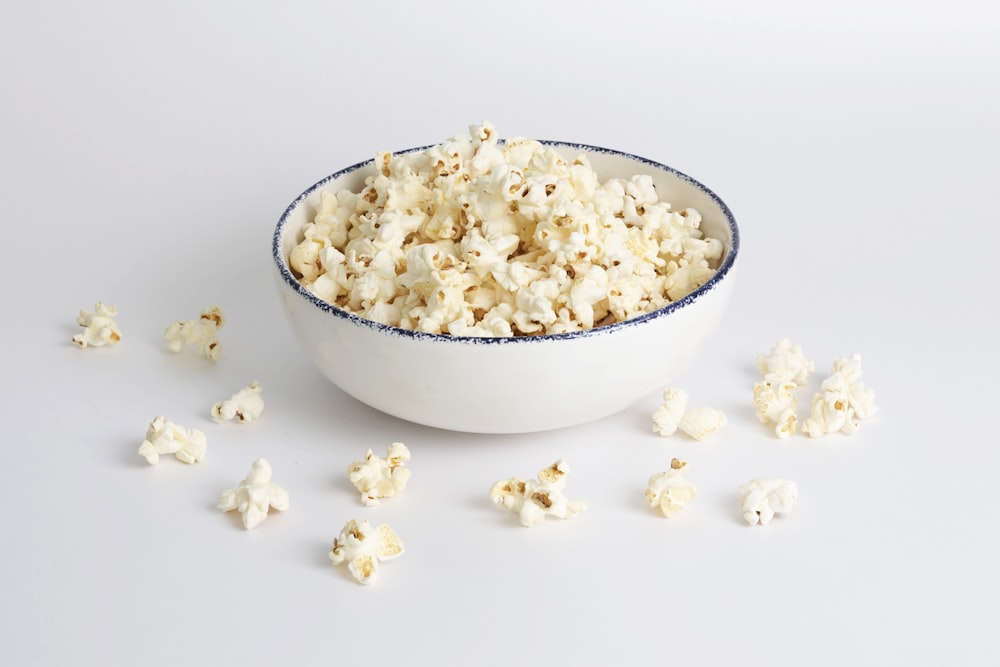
201	332
785	363
254	495
363	548
776	404
99	328
842	400
243	406
667	417
377	478
668	490
165	437
762	498
673	414
476	238
535	499
699	423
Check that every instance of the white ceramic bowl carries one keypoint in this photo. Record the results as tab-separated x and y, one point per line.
510	385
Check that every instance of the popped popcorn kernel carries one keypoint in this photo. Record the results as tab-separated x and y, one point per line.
378	477
702	422
775	403
254	495
99	328
202	332
668	416
786	362
477	238
165	437
668	490
535	499
363	548
843	400
762	498
243	406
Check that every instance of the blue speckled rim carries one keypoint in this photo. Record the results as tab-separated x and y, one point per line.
724	268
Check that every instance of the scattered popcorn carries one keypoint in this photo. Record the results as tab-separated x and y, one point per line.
841	401
99	328
201	332
762	498
776	404
668	490
244	406
667	417
699	423
785	362
376	477
363	548
474	237
254	495
534	499
165	437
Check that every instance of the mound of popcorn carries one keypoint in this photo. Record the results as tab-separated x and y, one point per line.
477	237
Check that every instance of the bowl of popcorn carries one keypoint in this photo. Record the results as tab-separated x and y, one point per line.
504	286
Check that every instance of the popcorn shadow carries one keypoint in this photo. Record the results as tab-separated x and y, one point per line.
729	506
127	454
234	518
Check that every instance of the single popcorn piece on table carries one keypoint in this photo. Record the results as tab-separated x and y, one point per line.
668	490
477	237
255	495
165	437
243	406
842	401
202	332
762	498
534	499
775	403
363	548
378	477
99	328
700	423
786	362
667	417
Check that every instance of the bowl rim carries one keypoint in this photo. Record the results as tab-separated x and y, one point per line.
687	300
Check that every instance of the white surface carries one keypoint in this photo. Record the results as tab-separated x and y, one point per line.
148	150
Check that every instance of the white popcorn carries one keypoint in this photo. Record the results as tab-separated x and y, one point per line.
668	490
165	437
254	495
776	404
762	498
700	423
201	332
842	400
243	406
363	548
438	240
786	362
861	399
378	477
99	328
535	499
667	417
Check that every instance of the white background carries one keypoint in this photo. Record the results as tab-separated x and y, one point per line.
147	152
